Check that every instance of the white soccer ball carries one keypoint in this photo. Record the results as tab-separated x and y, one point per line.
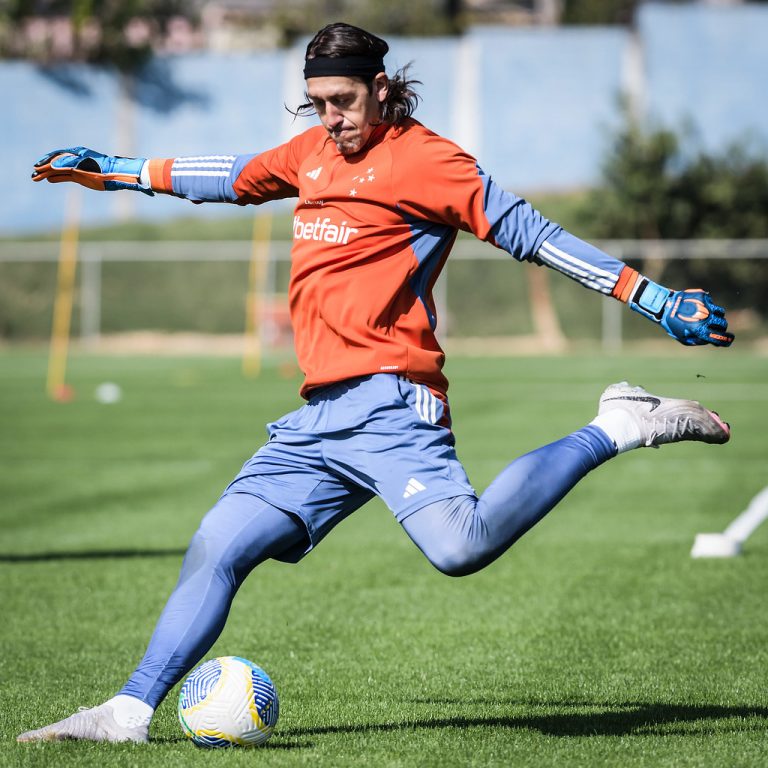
228	701
109	393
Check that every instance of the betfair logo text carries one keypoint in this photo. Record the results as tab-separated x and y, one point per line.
322	230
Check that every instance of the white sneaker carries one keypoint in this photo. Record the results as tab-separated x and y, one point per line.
96	724
663	420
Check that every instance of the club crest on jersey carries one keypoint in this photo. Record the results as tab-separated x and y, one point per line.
364	178
322	230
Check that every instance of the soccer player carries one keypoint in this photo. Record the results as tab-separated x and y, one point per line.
380	201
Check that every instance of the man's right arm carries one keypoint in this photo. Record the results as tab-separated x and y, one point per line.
91	169
238	179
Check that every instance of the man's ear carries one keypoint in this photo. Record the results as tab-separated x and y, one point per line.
381	86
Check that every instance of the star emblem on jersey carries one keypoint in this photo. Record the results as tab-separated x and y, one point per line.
413	487
363	178
368	176
314	174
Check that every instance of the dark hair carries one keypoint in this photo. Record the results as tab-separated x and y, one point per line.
340	40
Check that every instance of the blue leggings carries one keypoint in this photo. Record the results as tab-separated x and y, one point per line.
459	536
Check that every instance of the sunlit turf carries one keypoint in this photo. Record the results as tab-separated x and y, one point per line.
596	640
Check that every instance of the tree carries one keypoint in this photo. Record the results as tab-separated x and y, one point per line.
658	185
122	33
599	11
395	17
655	185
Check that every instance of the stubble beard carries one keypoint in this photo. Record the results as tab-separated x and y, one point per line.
348	146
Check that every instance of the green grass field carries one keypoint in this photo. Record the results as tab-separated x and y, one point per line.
596	641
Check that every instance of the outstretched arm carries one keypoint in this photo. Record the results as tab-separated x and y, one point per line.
442	183
239	179
208	178
689	316
92	169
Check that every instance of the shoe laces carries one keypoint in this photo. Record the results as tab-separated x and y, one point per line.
680	426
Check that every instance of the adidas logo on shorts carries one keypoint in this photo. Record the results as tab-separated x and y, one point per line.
413	487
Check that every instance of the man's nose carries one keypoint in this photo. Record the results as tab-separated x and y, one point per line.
333	115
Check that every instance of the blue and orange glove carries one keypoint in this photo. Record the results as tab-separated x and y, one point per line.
690	316
91	169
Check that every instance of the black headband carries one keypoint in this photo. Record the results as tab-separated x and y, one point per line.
346	66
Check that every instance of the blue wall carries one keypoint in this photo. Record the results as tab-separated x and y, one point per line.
548	98
708	66
535	105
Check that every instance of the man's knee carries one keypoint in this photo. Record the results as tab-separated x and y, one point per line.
207	553
452	535
458	557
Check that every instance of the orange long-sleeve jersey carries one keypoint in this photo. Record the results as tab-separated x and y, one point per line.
371	232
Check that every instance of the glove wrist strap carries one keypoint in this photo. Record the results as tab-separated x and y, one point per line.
642	295
144	179
649	298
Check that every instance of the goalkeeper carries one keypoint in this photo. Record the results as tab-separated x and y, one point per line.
380	201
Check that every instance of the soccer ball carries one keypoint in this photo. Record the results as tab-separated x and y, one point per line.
228	701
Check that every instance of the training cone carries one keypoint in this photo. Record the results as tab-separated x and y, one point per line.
63	393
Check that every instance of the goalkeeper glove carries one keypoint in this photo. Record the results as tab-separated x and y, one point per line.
91	169
690	316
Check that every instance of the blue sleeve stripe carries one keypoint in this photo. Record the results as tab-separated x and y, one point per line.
208	178
206	160
580	261
209	165
586	273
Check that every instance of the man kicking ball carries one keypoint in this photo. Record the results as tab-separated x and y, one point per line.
380	201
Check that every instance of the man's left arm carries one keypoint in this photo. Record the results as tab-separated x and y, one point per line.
690	316
449	187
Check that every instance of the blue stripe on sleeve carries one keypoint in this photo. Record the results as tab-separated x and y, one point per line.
208	178
580	261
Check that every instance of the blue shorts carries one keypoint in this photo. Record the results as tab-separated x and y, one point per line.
378	435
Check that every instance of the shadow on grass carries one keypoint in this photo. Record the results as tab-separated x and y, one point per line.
282	744
629	719
94	554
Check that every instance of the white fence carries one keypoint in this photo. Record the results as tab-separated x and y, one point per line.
651	254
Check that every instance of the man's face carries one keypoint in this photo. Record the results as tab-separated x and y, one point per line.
348	110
